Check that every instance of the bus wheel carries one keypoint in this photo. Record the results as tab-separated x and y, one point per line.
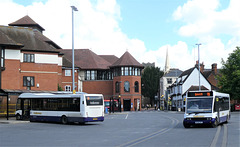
64	119
18	117
214	125
186	125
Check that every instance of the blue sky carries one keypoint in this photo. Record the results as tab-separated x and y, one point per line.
146	28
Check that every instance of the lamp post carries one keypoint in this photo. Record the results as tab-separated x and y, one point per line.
198	44
73	70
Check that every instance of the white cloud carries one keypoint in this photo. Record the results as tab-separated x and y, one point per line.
95	24
97	27
206	23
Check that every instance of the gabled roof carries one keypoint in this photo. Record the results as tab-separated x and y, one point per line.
27	38
86	59
127	60
26	21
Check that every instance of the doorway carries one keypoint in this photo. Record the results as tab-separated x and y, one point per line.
127	104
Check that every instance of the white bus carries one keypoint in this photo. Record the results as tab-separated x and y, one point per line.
64	108
206	107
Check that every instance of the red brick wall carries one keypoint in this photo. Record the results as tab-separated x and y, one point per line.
128	95
99	87
67	80
46	75
11	75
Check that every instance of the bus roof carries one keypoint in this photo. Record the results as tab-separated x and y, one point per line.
209	91
50	95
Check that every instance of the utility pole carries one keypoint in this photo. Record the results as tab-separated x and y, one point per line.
73	70
198	44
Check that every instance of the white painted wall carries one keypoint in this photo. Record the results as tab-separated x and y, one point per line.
46	59
59	61
193	80
12	54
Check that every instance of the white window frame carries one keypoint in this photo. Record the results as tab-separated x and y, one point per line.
68	88
68	73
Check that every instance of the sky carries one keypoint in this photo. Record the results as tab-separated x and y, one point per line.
145	28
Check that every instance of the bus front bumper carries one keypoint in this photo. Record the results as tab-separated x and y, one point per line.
192	121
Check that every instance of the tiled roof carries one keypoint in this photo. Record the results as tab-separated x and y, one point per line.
110	58
86	59
26	21
25	37
127	60
173	73
8	42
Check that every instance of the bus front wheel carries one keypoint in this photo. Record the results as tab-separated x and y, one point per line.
18	117
215	123
64	119
186	125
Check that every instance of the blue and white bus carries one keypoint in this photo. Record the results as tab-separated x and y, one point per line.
206	107
64	108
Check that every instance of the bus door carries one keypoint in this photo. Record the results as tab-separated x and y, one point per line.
217	108
23	108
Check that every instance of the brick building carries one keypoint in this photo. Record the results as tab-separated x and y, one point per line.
116	78
31	62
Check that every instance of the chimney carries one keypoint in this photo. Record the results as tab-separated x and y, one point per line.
202	67
214	68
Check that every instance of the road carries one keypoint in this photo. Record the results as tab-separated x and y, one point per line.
145	128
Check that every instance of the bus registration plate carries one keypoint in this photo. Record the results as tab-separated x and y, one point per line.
95	118
198	122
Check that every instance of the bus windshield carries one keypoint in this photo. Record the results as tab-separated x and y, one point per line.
199	105
94	100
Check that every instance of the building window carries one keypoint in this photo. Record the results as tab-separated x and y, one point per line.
122	70
169	80
28	81
93	75
67	73
136	86
136	71
117	87
3	58
130	71
67	88
126	71
126	86
28	58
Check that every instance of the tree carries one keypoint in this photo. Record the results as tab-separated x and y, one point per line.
229	79
150	82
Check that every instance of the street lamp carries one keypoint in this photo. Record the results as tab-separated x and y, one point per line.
198	44
73	71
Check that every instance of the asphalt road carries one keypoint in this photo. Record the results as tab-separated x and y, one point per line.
146	128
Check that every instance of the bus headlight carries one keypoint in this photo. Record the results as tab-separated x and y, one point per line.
209	118
188	118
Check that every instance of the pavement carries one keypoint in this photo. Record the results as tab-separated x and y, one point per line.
12	120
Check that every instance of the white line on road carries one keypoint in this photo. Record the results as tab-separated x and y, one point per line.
224	142
126	116
214	142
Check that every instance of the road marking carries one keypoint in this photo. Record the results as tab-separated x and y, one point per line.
152	135
224	142
126	116
214	142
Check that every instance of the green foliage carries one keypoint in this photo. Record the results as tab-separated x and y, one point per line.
150	81
229	79
59	88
